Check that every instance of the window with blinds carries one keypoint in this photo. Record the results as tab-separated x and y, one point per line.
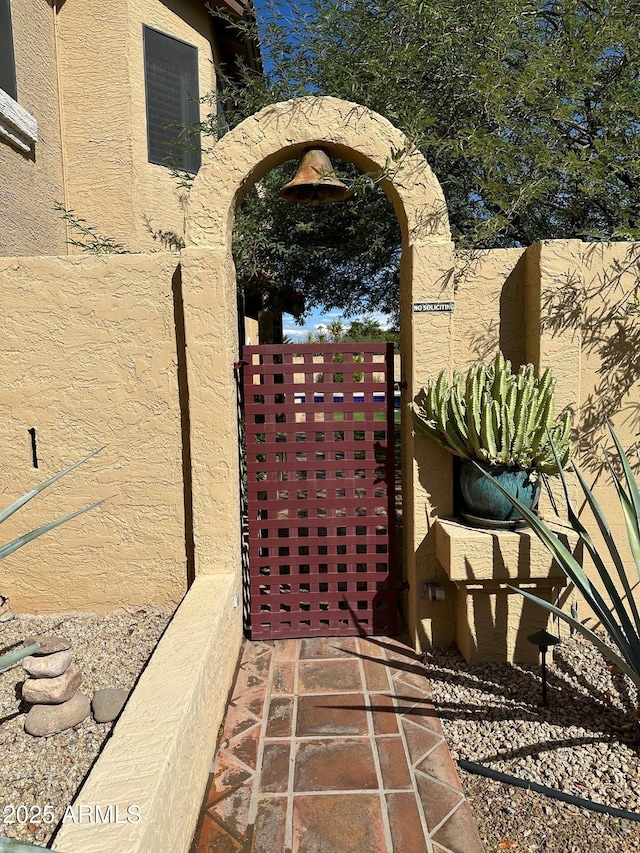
7	60
173	110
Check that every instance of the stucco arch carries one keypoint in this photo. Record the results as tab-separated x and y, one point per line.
281	132
207	297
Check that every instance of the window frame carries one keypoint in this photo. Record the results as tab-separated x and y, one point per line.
146	28
17	126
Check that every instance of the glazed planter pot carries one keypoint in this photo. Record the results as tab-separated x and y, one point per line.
484	501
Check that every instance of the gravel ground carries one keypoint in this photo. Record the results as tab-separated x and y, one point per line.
111	651
585	743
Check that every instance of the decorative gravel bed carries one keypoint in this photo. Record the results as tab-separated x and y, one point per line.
585	743
111	651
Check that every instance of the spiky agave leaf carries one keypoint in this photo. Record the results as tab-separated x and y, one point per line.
11	658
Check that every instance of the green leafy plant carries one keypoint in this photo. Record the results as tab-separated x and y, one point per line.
621	620
11	845
495	416
11	658
5	550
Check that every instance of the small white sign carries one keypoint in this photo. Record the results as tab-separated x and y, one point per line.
433	307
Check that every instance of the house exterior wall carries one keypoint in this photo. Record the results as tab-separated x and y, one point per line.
80	73
31	184
110	182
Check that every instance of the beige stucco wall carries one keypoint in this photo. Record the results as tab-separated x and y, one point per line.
31	184
88	359
110	183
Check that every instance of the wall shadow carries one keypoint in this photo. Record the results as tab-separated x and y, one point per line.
185	422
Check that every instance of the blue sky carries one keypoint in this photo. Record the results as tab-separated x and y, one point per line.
318	318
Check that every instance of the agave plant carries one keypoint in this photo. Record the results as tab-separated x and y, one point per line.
11	845
13	657
621	620
496	416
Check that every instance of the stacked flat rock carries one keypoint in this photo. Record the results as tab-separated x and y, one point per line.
52	687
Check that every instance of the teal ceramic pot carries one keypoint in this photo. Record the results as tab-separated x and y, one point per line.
484	500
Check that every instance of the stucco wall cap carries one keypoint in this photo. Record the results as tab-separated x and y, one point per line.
281	132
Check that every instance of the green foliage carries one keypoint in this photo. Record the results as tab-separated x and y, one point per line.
10	547
86	237
323	253
621	620
528	113
11	845
495	416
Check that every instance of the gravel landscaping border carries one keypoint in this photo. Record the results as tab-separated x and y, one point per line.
111	651
586	743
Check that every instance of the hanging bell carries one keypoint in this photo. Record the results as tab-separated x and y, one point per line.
315	181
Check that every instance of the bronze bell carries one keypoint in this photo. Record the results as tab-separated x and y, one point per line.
315	181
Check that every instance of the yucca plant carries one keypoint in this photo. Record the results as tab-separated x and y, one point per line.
13	657
621	620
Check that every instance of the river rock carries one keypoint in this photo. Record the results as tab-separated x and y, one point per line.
108	703
52	691
44	720
48	666
48	644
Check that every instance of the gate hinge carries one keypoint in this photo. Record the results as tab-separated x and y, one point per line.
401	386
238	365
404	586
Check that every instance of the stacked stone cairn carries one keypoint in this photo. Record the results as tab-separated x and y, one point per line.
52	688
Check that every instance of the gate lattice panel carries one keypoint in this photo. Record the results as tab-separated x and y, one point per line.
320	472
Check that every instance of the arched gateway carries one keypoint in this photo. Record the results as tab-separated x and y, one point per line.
244	155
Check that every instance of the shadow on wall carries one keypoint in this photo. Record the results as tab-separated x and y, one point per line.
602	308
185	423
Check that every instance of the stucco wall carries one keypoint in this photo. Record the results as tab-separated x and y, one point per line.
110	182
595	309
88	359
31	184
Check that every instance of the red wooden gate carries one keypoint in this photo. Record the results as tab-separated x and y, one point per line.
320	487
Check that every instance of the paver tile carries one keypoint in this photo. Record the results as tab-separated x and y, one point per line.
329	676
327	714
385	714
283	677
348	823
285	650
393	763
213	838
253	700
327	647
437	801
372	647
460	834
245	747
279	721
376	675
335	765
407	832
424	714
419	741
337	804
232	811
237	720
274	771
246	680
228	774
269	827
439	764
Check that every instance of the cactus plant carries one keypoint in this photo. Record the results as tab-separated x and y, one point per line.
496	417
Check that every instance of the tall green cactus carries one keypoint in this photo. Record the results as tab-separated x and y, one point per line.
496	416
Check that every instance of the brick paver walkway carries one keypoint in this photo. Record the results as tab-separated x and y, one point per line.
333	746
